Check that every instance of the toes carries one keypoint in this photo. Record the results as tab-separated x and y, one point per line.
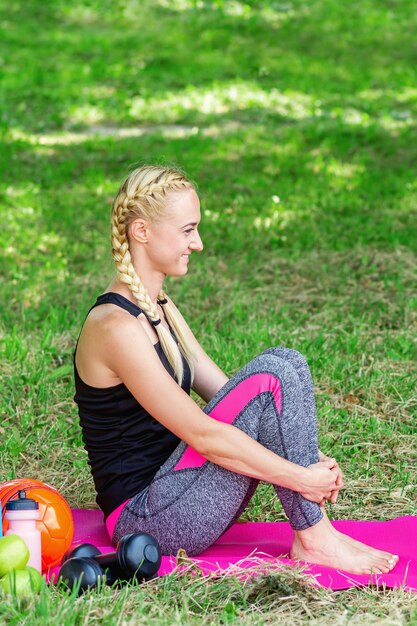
383	567
392	561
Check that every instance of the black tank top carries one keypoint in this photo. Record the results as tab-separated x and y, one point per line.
126	446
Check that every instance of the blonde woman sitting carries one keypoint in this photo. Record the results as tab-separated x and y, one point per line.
162	465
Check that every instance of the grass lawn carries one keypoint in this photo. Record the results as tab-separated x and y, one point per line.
298	122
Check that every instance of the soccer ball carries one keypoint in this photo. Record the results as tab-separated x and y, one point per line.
55	521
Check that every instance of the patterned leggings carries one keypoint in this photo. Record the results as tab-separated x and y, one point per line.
191	501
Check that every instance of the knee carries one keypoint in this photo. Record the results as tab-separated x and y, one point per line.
266	361
283	369
288	354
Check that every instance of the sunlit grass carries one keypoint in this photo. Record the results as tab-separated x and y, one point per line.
222	99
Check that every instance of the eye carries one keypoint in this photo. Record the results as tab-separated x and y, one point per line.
190	230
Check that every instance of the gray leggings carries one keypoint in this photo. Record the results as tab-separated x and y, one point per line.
190	503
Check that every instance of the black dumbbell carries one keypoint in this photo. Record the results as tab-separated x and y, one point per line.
83	550
137	556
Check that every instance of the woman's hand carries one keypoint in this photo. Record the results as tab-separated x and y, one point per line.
339	476
319	483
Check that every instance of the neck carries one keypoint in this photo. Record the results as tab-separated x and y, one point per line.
153	283
153	287
151	278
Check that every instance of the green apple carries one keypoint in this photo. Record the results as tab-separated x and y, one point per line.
14	553
22	582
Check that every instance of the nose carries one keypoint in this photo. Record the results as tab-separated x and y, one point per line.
197	243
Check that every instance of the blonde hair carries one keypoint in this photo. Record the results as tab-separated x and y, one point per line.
144	195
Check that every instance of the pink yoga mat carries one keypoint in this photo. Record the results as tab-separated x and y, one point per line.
250	542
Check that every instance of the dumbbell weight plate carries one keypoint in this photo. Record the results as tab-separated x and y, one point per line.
82	550
83	571
139	555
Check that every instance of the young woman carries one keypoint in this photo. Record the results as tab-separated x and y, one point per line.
161	464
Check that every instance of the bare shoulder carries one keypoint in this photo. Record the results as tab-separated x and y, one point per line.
107	323
110	336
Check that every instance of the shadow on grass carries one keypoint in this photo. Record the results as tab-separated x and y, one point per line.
71	65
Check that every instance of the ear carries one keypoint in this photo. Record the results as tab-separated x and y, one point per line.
138	230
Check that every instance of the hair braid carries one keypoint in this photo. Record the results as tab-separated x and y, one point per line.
143	194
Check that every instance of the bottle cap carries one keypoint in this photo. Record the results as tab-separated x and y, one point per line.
22	503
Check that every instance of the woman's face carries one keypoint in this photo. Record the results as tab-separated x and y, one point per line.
173	238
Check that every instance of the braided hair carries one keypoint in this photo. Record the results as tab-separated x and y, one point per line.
143	195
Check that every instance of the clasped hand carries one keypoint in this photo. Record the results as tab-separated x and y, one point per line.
324	481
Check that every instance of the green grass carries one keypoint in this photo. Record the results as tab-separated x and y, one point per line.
297	120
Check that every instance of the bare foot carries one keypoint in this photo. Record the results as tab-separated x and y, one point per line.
355	542
323	545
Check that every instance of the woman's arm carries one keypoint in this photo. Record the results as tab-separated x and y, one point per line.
127	350
208	377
